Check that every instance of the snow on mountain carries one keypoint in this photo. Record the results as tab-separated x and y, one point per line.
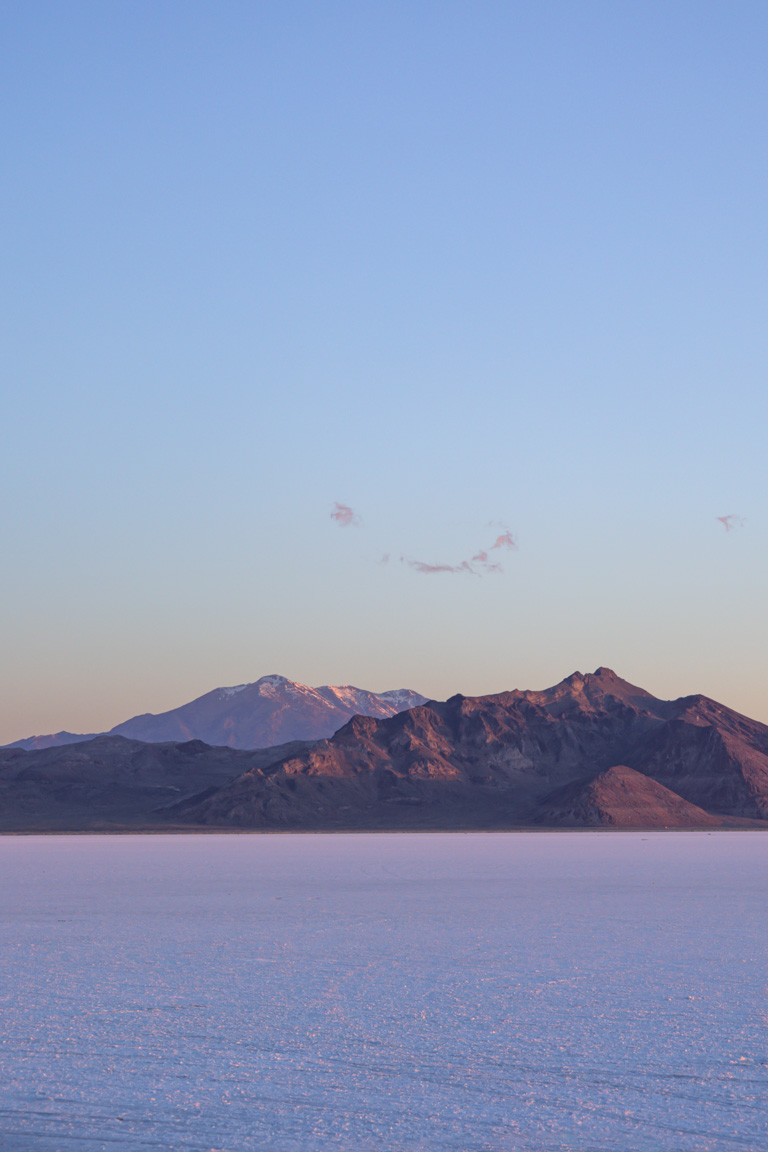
269	711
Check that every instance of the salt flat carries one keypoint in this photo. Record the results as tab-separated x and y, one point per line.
582	991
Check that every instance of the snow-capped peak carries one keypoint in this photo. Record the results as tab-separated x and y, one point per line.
232	691
270	685
398	696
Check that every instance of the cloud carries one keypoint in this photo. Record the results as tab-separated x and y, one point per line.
506	540
480	559
487	564
343	515
480	564
731	521
429	569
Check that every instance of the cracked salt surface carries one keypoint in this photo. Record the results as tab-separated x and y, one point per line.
384	992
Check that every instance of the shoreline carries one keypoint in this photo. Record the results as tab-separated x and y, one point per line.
753	827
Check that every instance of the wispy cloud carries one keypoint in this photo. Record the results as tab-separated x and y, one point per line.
506	540
480	563
344	515
731	521
430	569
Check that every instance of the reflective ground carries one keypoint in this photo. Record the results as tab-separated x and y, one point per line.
585	991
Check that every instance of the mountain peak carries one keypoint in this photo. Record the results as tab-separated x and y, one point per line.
586	692
225	693
602	674
269	711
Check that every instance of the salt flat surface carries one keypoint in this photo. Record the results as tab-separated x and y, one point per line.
580	991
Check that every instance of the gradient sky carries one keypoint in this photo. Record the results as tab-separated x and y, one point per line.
461	267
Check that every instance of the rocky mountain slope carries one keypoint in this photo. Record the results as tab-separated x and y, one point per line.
494	761
270	711
622	798
592	751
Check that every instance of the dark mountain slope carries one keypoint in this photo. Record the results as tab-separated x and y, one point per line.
51	740
112	781
711	755
621	798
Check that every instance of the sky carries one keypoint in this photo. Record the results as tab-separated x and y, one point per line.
466	270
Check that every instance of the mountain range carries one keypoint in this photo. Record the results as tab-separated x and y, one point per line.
593	751
272	710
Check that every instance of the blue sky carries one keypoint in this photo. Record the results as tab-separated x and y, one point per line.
458	266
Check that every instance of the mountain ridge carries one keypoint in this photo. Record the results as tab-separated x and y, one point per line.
507	751
592	751
269	711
